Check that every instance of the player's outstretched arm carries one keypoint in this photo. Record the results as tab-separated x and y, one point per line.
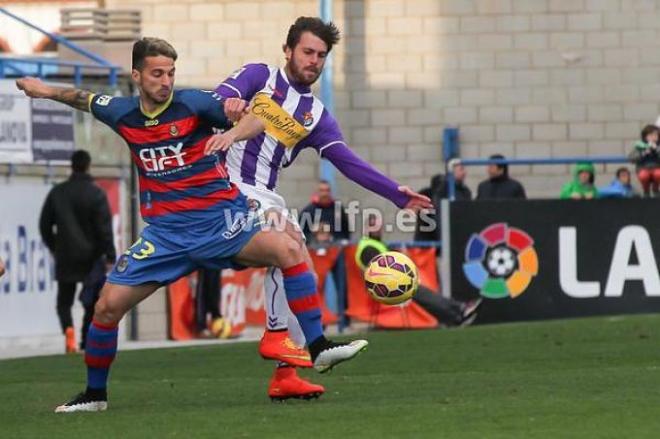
73	97
248	127
362	173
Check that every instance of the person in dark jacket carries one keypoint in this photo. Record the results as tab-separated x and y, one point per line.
76	226
499	185
324	209
438	191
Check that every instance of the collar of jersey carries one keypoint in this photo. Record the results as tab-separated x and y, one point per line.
158	110
304	89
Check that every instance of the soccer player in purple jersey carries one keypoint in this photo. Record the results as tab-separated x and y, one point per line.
196	217
295	119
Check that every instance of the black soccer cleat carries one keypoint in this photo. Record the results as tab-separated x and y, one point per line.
88	401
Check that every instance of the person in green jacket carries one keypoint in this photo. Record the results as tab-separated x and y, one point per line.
582	187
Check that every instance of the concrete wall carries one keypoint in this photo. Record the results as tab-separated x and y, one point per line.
540	78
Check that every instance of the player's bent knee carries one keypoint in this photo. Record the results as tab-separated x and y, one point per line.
107	312
290	253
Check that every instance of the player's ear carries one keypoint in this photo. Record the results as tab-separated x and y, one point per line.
287	52
135	75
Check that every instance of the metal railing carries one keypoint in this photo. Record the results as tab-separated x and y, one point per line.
24	66
451	183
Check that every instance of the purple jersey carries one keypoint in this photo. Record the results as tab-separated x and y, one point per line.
306	124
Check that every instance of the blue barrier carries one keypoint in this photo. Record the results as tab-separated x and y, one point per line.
37	65
530	161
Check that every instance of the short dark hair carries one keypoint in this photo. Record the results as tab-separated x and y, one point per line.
151	47
80	161
621	171
503	166
648	129
328	32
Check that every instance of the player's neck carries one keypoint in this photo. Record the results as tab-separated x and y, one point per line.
300	87
151	108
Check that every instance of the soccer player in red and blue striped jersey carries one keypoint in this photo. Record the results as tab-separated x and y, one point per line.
196	217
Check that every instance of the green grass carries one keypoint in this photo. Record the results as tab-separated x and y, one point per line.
579	378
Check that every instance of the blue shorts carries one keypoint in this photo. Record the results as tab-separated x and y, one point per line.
164	254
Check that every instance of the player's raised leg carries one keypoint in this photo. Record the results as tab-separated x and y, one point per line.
101	348
274	248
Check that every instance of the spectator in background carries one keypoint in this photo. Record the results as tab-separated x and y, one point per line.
582	187
76	226
438	191
440	185
324	208
620	186
2	267
499	185
321	235
647	160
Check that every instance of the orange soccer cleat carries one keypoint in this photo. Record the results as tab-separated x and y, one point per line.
276	345
286	384
70	344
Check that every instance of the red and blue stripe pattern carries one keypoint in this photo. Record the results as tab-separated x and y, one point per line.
100	351
178	182
303	299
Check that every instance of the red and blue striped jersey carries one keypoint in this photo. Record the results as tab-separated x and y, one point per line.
178	183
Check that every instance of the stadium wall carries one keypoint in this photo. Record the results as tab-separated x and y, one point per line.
540	78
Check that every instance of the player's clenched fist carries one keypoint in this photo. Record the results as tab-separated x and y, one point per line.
235	108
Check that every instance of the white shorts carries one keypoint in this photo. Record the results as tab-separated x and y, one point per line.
267	200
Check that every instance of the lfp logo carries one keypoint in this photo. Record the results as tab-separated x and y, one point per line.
500	261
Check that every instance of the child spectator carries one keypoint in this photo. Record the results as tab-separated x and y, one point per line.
620	186
646	159
582	187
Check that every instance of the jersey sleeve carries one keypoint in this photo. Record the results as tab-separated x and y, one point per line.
328	140
209	106
109	109
245	82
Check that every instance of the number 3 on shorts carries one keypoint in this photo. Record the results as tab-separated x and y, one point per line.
145	249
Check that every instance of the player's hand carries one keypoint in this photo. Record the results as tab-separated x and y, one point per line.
219	142
417	201
34	87
235	108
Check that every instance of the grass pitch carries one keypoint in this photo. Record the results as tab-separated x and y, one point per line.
581	378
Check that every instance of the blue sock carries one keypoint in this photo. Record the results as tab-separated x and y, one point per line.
100	351
300	289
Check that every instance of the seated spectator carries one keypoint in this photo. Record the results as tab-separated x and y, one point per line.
620	186
582	187
499	185
438	191
647	160
324	208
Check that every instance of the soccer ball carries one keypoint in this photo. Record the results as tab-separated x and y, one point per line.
391	278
